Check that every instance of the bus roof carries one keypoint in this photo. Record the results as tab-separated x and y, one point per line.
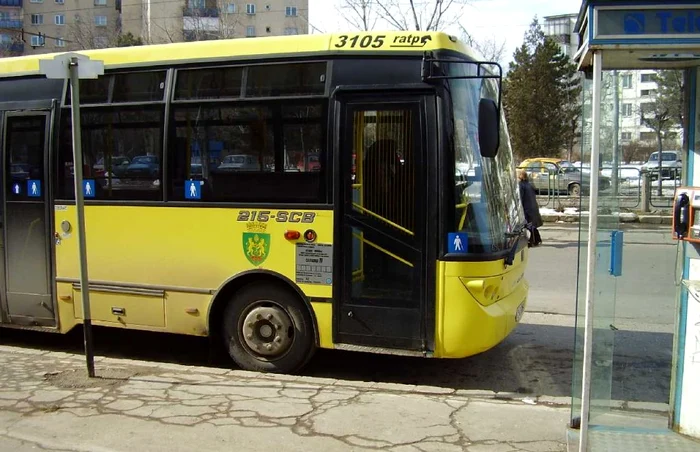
358	43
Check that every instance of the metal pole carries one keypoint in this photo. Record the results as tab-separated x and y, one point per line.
80	209
592	244
615	135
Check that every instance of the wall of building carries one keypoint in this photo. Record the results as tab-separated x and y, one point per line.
63	25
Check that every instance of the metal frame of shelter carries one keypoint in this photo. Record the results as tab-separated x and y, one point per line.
629	35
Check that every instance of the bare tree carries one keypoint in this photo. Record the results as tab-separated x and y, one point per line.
85	35
664	112
419	15
360	14
490	48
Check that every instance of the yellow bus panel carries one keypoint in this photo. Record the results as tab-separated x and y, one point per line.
466	323
185	254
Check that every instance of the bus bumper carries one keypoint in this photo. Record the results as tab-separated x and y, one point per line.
465	327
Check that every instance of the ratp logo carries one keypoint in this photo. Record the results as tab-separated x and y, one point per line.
634	23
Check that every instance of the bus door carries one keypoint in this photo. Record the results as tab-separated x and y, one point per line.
25	220
383	195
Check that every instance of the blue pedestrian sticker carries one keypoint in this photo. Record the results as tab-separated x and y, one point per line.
88	188
16	189
193	189
34	188
456	242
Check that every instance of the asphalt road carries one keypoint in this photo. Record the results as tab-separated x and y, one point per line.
538	358
643	298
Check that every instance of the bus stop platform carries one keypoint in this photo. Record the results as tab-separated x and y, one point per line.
47	403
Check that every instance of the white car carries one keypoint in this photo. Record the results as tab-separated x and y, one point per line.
671	165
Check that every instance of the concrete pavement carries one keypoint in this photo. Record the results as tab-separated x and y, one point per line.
47	403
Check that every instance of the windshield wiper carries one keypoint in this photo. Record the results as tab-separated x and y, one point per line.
517	233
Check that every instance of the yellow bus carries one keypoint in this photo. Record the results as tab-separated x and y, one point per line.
284	194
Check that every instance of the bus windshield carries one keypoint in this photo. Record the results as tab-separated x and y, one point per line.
486	200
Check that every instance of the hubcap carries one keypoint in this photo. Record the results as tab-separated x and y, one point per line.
266	330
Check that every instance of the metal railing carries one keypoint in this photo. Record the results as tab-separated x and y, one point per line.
559	190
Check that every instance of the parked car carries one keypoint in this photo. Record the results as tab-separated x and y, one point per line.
120	163
239	162
671	165
558	175
143	166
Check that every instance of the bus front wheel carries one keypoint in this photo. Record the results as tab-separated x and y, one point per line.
268	329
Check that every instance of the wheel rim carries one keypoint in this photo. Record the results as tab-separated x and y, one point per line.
267	330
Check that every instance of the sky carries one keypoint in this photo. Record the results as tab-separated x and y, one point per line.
504	20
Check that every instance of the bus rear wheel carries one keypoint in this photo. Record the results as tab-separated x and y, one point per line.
268	329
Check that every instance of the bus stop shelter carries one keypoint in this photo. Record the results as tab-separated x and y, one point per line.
629	35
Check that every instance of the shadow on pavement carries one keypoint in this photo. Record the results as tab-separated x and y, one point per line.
535	359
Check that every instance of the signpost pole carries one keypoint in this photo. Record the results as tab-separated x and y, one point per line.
73	66
80	209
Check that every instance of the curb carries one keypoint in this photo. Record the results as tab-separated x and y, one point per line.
364	386
621	218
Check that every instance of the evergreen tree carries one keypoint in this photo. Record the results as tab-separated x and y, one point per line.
542	97
128	40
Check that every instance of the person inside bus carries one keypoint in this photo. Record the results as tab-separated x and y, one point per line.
530	207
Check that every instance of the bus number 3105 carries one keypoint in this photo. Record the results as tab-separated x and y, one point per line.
281	216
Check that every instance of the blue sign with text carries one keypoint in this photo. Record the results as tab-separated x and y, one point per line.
652	21
456	242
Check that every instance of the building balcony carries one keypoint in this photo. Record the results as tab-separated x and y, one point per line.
17	3
200	12
13	48
200	24
11	23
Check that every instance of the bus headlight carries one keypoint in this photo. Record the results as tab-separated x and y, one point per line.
519	312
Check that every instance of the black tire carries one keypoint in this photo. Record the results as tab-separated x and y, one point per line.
295	332
575	190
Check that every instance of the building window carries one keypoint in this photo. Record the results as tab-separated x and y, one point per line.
101	21
231	8
250	8
250	31
626	136
100	2
291	31
37	19
59	19
627	81
646	78
36	1
291	11
60	42
626	110
60	2
37	41
648	92
647	136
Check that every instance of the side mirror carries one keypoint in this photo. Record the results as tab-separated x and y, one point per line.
489	136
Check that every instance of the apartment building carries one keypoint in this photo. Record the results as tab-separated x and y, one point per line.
10	28
41	26
158	21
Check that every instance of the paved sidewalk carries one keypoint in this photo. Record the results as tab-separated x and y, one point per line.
47	403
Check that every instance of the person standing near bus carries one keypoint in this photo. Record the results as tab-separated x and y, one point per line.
532	210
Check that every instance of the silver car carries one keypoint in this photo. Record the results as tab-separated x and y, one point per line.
560	177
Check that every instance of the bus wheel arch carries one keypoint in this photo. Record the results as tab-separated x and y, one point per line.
268	294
